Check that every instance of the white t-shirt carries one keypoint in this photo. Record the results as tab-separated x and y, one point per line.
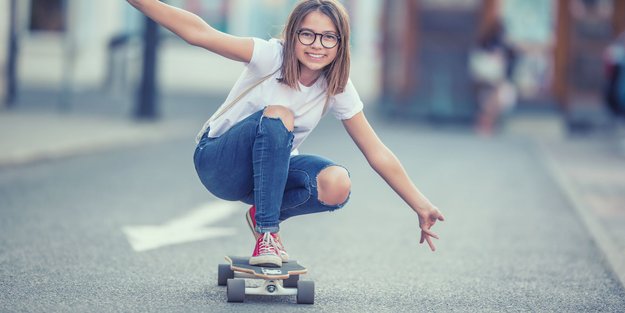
307	103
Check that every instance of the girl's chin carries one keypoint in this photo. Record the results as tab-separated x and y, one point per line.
313	67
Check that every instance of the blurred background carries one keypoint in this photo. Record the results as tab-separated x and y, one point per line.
508	115
442	61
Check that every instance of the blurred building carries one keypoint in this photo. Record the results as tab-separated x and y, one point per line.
425	57
411	55
79	44
558	43
584	30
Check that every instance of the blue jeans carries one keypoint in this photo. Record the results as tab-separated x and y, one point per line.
251	163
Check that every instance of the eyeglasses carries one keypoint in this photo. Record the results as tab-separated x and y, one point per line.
328	40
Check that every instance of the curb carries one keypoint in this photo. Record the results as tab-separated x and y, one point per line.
615	259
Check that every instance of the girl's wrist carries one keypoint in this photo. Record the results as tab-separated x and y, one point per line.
423	206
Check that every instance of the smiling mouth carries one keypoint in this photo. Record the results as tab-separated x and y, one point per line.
315	56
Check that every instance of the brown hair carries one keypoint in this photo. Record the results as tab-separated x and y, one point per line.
335	73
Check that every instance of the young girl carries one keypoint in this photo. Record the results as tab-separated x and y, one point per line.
248	150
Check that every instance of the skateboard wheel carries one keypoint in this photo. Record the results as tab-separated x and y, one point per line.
305	292
291	282
235	290
223	274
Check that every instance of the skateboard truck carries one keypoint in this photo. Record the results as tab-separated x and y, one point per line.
271	288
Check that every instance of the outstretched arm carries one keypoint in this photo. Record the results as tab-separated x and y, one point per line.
196	31
384	162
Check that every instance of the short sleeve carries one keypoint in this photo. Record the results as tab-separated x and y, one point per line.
266	57
346	104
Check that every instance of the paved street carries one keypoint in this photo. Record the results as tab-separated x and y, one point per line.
511	242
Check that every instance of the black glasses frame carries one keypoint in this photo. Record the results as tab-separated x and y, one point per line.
338	38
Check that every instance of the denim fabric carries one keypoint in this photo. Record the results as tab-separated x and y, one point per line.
251	163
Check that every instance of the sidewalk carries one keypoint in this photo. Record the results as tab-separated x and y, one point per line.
38	128
591	173
27	137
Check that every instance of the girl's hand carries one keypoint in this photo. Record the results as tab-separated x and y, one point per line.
427	218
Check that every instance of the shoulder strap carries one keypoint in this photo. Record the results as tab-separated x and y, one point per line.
325	106
224	108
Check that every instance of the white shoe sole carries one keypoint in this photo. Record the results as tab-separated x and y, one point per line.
266	260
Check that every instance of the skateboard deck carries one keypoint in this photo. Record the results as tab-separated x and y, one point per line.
241	264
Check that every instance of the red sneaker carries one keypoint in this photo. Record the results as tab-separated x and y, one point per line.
250	216
265	252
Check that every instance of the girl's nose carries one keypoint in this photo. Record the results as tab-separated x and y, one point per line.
317	43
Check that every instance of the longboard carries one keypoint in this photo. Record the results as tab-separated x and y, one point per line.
277	281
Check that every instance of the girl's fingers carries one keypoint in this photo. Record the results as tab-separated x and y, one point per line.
430	233
427	234
432	246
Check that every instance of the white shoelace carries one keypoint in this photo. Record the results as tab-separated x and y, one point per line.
268	245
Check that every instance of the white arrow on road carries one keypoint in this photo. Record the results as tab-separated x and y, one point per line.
192	226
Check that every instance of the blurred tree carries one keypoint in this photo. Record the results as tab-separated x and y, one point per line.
147	92
11	69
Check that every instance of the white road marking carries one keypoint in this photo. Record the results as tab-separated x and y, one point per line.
192	226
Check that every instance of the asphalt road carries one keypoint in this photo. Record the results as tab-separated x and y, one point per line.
511	241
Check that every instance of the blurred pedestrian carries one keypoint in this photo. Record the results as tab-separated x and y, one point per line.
247	151
491	64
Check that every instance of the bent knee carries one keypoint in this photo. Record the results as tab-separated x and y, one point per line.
283	113
333	185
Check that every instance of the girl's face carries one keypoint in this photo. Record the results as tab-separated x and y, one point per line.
313	58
